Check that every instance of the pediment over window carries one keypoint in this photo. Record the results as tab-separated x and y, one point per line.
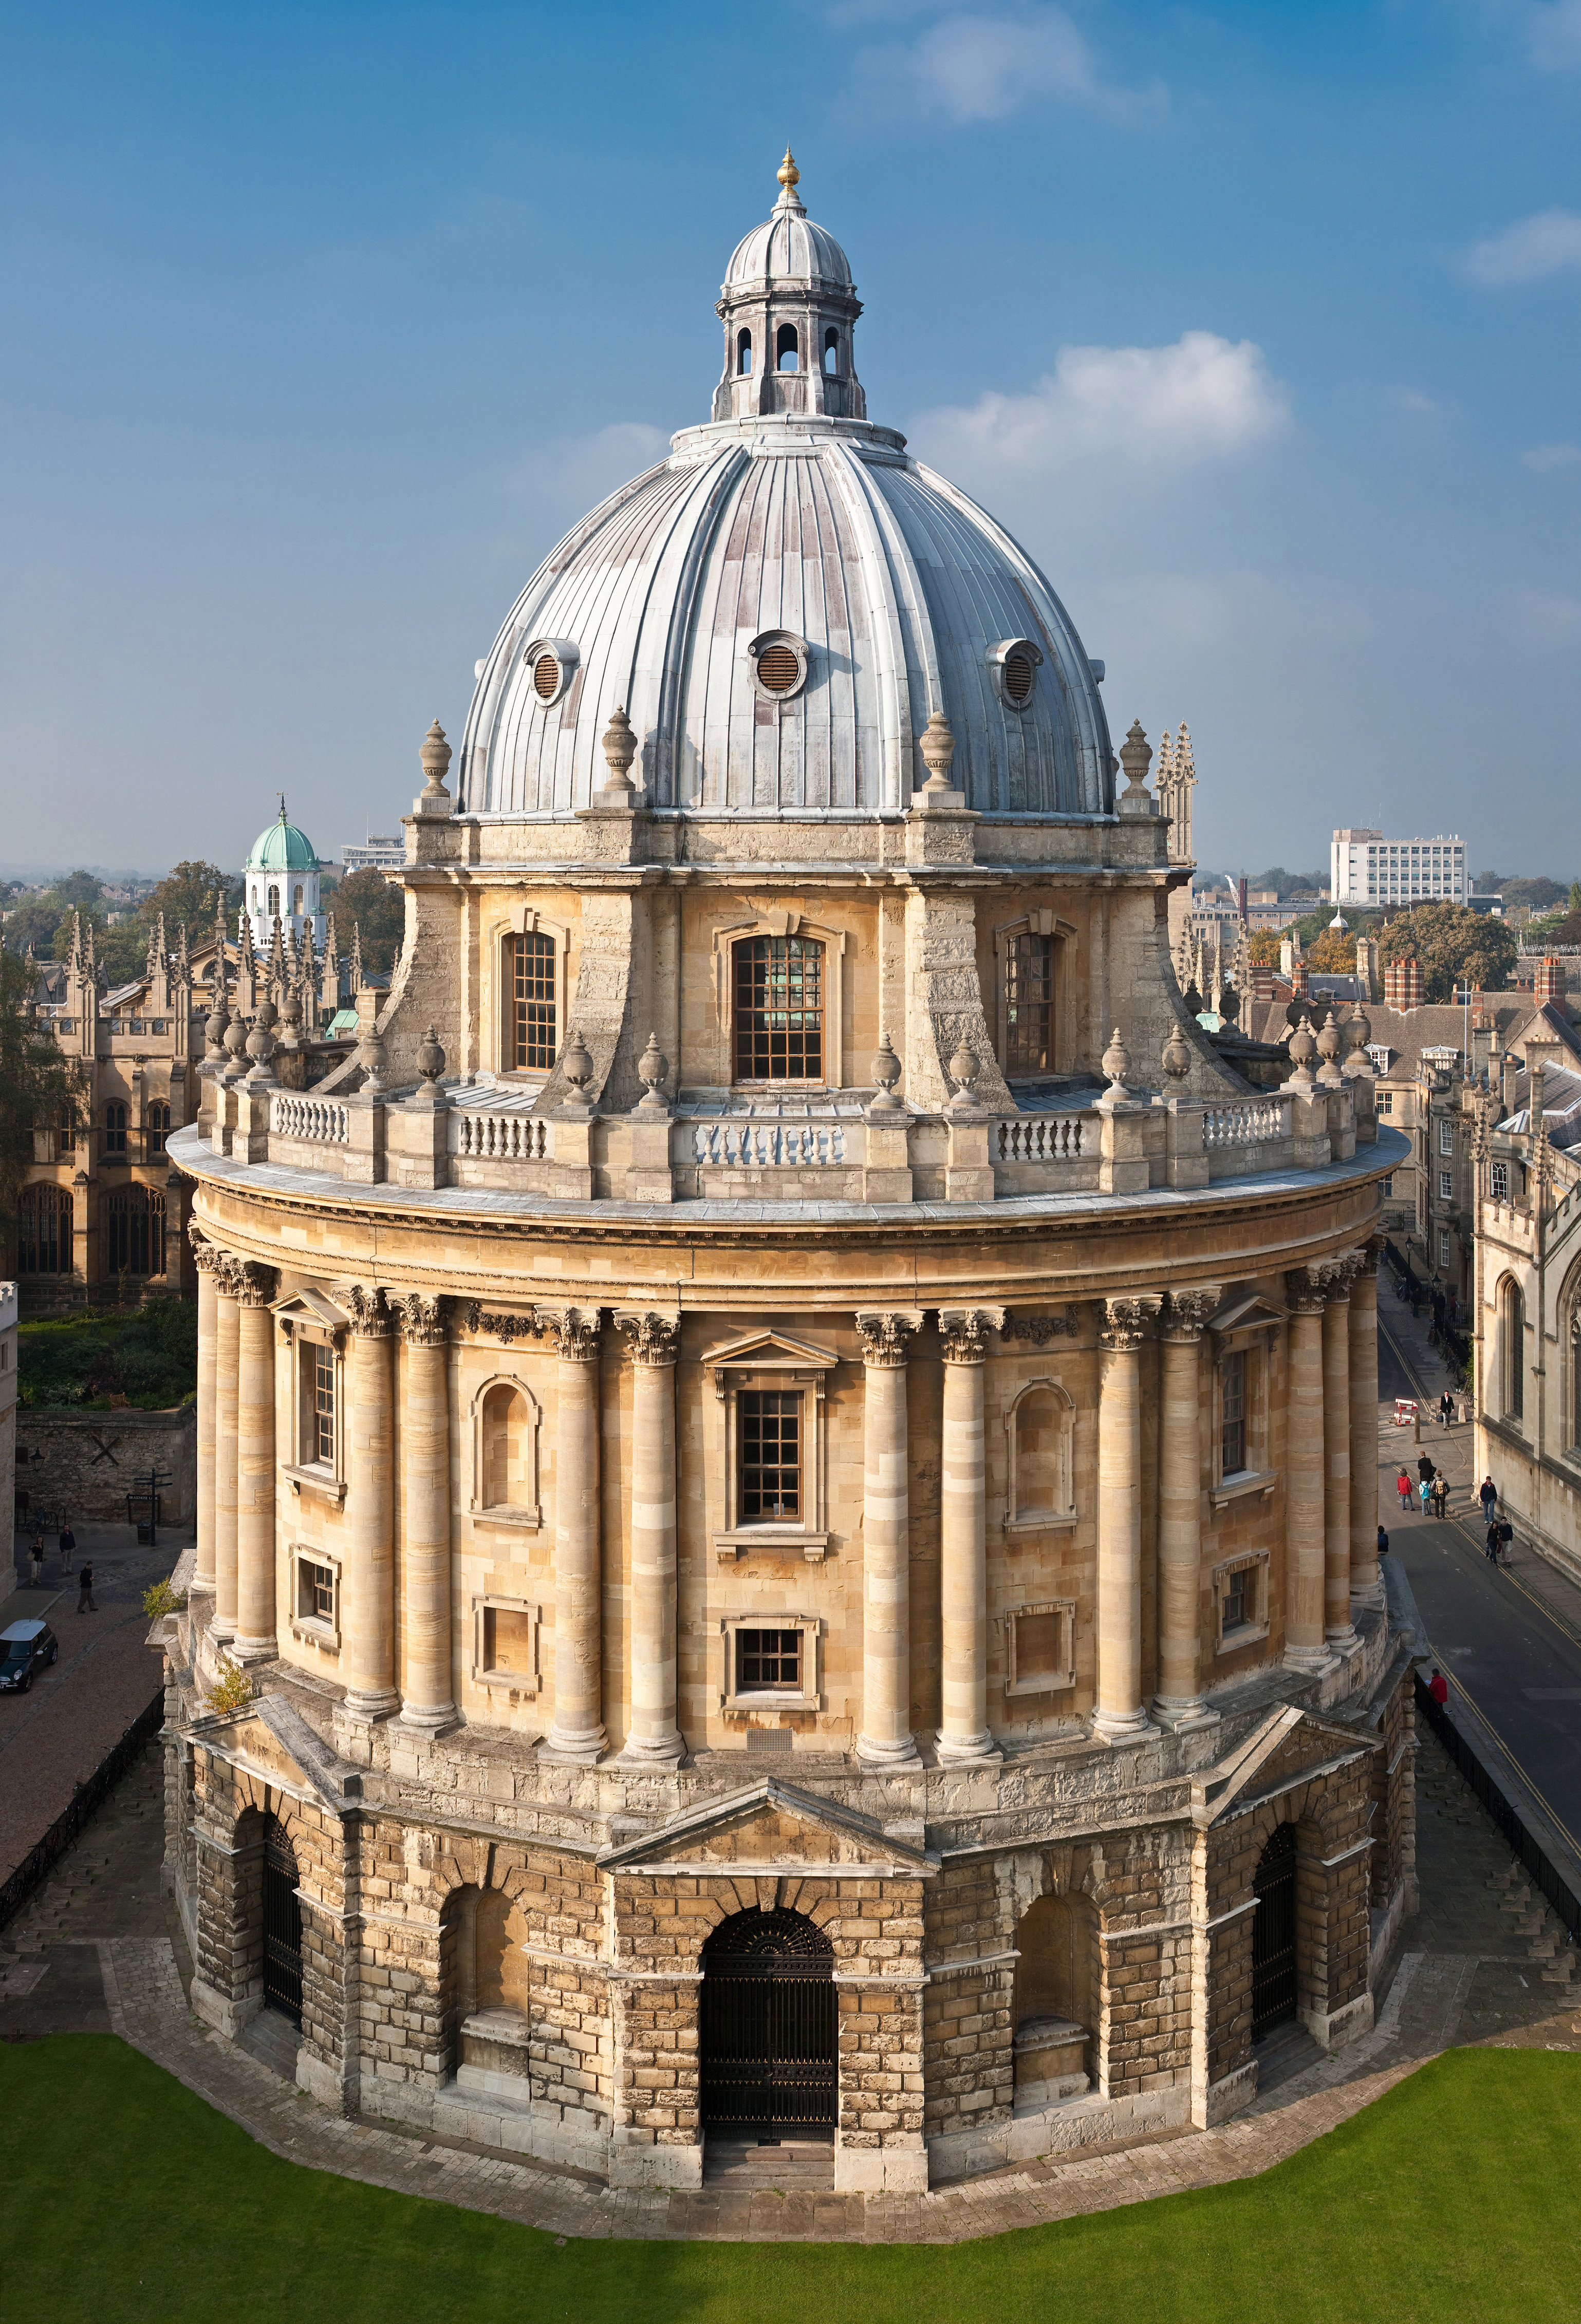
1289	1747
310	1306
269	1739
1245	1311
770	1352
771	1828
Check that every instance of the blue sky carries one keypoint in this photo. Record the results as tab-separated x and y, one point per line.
1258	324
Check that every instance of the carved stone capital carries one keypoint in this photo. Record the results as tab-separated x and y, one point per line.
650	1339
1041	1329
965	1332
887	1334
367	1308
252	1286
206	1257
1369	1255
1339	1273
1125	1321
1185	1313
575	1331
1306	1289
421	1319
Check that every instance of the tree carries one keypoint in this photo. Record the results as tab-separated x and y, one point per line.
1332	954
368	901
1540	895
80	889
1574	898
1264	947
38	1086
187	896
1453	945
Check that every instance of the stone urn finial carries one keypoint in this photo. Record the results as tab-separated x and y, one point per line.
652	1067
261	1041
576	1063
938	747
963	1069
235	1043
1303	1049
1117	1063
1135	758
373	1057
1359	1030
434	758
886	1073
431	1057
214	1024
1177	1057
620	748
1328	1047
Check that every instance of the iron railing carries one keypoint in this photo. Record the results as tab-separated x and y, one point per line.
1535	1859
41	1859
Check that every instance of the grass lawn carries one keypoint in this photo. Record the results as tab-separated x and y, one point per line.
1455	2196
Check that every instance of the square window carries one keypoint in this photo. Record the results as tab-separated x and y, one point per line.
768	1660
507	1639
1040	1643
769	1425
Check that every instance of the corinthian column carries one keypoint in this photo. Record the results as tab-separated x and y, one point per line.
1119	1712
1366	1583
205	1260
227	1351
1304	1479
577	1732
368	1584
964	1732
1178	1701
425	1435
256	1639
885	1740
652	1736
1338	1630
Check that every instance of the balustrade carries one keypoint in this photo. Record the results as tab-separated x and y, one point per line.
1047	1137
1252	1124
309	1121
501	1137
770	1144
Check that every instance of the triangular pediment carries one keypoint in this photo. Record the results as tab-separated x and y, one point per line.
1245	1310
768	1351
1289	1747
310	1306
773	1827
270	1738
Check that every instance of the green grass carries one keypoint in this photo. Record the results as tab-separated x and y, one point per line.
147	1354
1455	2197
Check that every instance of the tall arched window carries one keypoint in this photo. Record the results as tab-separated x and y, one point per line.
274	903
159	1129
1514	1351
532	1010
1028	1004
743	354
114	1129
779	1009
43	1230
297	897
135	1223
785	345
831	351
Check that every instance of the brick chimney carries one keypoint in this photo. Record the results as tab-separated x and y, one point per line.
1402	984
1548	982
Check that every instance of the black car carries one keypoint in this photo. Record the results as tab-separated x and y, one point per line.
26	1648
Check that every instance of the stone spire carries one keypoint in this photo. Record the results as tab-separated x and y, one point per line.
357	978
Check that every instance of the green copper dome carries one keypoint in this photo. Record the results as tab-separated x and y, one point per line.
282	848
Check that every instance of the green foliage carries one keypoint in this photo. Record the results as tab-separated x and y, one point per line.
1539	894
37	1085
1454	944
232	1689
162	1600
368	901
146	1356
1454	2198
187	896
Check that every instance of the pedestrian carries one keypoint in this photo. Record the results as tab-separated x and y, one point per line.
68	1545
1427	1493
1382	1542
1447	1409
1487	1493
1440	1491
1402	1487
1492	1541
1438	1688
84	1591
1506	1540
1426	1469
36	1560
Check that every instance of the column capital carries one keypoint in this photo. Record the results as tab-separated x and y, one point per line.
1339	1273
887	1334
575	1331
207	1257
368	1309
1126	1320
1369	1255
651	1338
1185	1313
247	1283
965	1332
421	1318
1306	1289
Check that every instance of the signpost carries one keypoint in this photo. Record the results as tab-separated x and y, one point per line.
147	1493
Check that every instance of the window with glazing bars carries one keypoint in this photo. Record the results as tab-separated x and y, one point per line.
318	1593
1238	1599
768	1658
324	1406
532	1004
1029	1005
769	1425
1232	1432
779	1009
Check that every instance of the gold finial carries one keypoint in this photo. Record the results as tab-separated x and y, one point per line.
788	173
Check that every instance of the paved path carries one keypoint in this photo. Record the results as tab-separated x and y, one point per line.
98	1948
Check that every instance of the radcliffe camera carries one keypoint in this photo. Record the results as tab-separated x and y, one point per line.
781	1475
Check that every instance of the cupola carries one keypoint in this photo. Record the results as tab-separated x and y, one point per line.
789	311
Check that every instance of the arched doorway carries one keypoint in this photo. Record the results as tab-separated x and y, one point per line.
1273	1934
768	2027
282	1924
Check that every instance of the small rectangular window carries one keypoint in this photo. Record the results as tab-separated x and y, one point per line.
507	1640
1238	1599
769	1425
1445	1136
779	1009
1029	1005
1389	1185
1444	1246
1500	1188
316	1593
1386	1101
1232	1433
1445	1185
324	1406
768	1659
532	1021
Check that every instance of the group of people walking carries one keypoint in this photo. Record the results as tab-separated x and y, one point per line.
66	1541
1431	1488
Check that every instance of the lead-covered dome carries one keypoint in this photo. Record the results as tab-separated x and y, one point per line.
782	605
788	246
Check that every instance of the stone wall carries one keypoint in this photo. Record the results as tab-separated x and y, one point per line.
93	1460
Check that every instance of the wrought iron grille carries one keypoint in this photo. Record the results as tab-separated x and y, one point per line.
282	1926
1273	1933
768	2026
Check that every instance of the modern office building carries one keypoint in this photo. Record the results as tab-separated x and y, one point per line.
1365	868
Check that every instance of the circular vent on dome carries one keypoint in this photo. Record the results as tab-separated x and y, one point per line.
546	676
777	668
1018	676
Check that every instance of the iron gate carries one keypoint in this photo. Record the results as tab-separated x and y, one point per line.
282	1926
1273	1933
768	2026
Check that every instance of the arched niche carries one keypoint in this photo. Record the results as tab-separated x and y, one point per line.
507	1422
1054	2005
1040	1429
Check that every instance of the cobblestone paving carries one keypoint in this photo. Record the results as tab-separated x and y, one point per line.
98	1948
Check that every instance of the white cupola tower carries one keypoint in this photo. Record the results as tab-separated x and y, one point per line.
790	310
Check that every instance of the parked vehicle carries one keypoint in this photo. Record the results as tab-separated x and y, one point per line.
26	1648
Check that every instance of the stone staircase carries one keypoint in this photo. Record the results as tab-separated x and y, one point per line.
1532	1922
1283	2053
742	2164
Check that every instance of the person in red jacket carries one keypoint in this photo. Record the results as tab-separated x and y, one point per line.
1438	1688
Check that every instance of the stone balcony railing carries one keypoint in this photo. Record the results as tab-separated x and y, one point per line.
714	1147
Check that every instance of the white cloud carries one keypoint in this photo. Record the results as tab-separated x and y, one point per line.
985	67
1528	252
1540	618
1545	459
1203	399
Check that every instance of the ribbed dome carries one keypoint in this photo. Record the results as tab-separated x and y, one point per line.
788	246
282	848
